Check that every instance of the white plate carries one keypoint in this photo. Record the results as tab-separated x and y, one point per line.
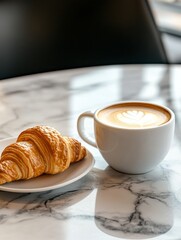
48	182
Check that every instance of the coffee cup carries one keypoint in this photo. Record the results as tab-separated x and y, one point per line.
133	137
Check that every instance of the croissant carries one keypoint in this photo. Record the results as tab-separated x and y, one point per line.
39	150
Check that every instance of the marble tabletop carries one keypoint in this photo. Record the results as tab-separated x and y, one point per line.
104	204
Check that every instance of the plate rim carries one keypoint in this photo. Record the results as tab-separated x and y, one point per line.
53	187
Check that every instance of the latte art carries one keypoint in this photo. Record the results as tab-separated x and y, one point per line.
137	118
134	116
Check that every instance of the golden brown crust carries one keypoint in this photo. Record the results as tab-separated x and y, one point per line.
38	150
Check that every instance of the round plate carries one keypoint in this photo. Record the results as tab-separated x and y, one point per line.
48	182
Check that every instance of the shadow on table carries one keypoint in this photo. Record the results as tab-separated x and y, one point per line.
133	206
25	206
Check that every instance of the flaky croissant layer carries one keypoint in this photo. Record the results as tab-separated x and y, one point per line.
39	150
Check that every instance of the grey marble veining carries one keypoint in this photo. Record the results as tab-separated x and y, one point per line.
104	204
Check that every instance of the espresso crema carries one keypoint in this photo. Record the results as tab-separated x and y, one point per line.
134	115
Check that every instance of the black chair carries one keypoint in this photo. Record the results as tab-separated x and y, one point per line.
39	36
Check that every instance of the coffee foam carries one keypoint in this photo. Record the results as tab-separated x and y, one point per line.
135	115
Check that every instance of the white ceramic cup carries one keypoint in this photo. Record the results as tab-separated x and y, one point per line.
133	151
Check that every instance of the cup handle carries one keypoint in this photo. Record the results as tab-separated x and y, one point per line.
82	130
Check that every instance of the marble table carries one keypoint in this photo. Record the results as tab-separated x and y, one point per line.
104	204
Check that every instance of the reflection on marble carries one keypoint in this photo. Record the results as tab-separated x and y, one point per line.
104	204
134	206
